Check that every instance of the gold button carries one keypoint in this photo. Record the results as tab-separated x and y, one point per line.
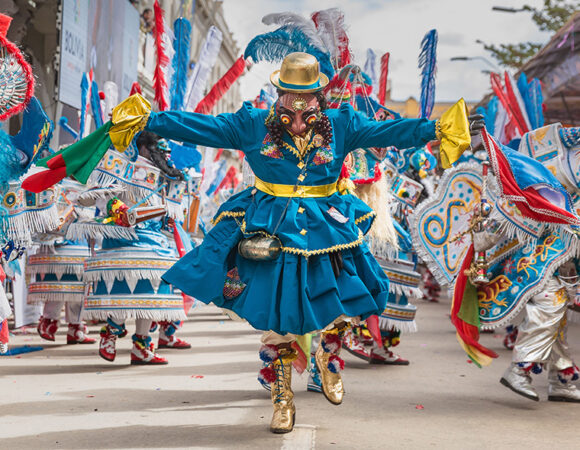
301	177
300	165
303	232
299	191
300	210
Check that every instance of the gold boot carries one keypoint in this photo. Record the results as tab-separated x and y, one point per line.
282	395
332	387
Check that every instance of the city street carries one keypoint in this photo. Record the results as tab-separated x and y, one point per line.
66	397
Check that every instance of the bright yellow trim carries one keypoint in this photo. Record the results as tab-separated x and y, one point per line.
295	151
335	248
365	217
288	190
227	214
308	253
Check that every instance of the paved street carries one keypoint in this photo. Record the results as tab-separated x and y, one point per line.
66	397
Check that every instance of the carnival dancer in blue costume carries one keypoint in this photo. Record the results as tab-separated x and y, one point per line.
288	254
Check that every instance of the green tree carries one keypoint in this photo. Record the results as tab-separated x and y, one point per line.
551	17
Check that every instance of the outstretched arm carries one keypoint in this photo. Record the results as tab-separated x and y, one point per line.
232	130
223	131
452	129
362	132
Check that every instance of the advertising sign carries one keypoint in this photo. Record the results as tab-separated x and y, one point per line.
102	35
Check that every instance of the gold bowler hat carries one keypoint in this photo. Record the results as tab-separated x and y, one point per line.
300	72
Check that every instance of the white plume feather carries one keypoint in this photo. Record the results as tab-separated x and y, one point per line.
201	72
298	21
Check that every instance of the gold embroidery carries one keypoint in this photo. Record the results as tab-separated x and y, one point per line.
487	295
308	253
227	214
365	217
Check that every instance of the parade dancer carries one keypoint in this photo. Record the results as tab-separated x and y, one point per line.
288	254
124	273
538	275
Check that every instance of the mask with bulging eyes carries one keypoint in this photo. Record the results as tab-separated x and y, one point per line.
298	112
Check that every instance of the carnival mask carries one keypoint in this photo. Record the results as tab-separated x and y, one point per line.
298	112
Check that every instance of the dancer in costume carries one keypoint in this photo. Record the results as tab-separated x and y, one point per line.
541	337
522	258
125	272
365	168
21	213
57	271
293	228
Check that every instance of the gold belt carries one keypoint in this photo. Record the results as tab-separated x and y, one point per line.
288	190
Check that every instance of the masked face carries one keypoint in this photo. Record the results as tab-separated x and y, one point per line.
298	112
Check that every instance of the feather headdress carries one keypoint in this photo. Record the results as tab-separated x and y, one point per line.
370	67
221	87
86	82
292	20
180	62
382	94
159	75
206	61
276	45
332	30
428	66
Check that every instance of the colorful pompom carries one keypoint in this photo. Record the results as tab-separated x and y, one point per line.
535	368
267	375
569	374
269	353
330	343
335	364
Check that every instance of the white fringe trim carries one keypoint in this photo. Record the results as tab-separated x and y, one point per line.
22	226
39	298
128	275
83	231
402	326
56	269
408	291
151	314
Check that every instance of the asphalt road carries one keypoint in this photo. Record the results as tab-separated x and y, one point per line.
66	397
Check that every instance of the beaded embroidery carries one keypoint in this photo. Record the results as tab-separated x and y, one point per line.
323	156
233	286
270	149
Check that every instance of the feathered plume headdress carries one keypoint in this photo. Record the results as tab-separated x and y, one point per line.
278	44
159	76
207	58
332	30
428	66
324	37
180	62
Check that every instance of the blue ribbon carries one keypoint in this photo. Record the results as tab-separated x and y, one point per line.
299	86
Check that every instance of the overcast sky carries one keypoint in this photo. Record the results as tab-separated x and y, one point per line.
397	26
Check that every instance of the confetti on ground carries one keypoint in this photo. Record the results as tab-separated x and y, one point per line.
90	396
419	407
469	361
197	376
157	389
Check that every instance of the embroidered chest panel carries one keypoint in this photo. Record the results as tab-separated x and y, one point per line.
270	149
323	156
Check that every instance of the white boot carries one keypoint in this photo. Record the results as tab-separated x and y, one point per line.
519	381
561	392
